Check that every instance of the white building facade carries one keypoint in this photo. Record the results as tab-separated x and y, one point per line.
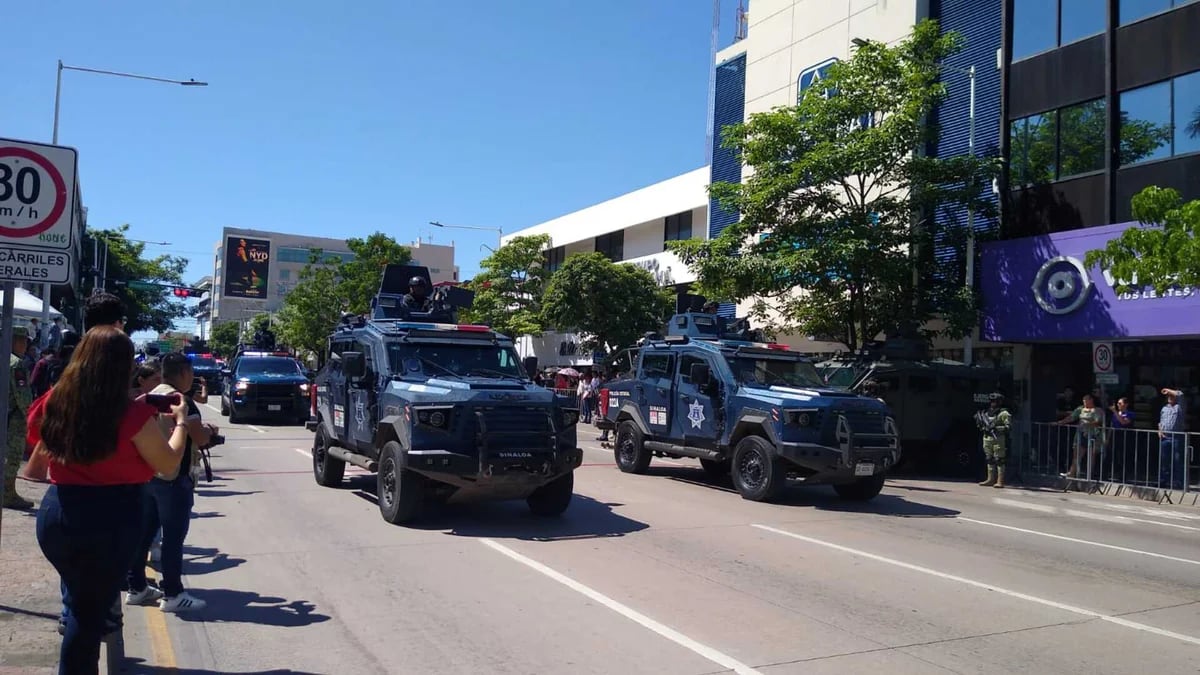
633	229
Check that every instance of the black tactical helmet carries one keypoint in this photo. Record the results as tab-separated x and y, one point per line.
417	281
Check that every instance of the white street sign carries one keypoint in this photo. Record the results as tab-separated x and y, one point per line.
1102	357
37	193
34	265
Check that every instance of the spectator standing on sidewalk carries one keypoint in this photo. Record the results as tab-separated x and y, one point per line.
104	447
103	309
994	423
1172	426
169	504
19	399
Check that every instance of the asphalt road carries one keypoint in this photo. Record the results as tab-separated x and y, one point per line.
671	573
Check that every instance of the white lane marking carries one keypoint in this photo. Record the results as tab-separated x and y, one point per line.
306	453
989	587
1140	510
218	411
350	468
637	617
1023	505
209	406
1073	540
1124	520
261	431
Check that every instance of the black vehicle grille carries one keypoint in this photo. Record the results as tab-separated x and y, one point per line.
864	422
516	420
274	390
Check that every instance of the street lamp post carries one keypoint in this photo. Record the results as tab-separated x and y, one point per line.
54	140
499	232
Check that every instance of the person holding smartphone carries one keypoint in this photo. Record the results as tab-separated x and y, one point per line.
170	498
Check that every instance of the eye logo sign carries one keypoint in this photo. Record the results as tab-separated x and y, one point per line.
1062	285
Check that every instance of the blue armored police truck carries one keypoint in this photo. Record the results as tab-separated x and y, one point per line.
437	409
710	388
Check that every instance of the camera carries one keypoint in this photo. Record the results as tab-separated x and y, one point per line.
213	441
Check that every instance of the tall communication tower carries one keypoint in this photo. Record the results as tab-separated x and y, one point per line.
712	80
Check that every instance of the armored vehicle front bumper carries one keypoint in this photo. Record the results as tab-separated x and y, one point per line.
499	470
853	453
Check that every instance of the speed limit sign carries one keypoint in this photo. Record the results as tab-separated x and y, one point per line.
1102	357
37	193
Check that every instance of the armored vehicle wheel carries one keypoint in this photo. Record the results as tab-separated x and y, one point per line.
714	468
554	497
327	469
400	492
224	407
757	473
861	490
629	451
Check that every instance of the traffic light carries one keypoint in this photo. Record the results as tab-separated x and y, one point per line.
182	292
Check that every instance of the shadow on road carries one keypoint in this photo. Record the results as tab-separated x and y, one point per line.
201	492
209	563
208	514
140	666
227	606
817	496
586	518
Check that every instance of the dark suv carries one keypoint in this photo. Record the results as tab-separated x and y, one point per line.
265	384
206	368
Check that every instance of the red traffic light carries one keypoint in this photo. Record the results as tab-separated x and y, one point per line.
182	292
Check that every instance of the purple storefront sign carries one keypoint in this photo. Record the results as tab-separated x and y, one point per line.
1037	289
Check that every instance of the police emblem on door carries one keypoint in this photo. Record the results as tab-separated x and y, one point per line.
696	414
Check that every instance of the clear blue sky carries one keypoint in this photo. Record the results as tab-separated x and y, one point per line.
340	119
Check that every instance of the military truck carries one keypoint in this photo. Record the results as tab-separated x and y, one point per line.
440	411
755	410
934	401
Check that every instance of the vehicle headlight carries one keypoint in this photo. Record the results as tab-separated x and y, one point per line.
804	419
438	418
242	386
304	388
569	416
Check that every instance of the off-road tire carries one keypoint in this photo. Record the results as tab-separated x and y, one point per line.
629	449
861	490
758	474
224	407
327	469
716	468
552	498
401	492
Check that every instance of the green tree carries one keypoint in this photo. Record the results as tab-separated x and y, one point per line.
509	288
313	307
329	286
840	210
1166	253
358	279
611	305
145	309
224	338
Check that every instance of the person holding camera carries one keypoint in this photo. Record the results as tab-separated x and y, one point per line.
169	501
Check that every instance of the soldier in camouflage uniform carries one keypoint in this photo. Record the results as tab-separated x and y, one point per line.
19	399
994	423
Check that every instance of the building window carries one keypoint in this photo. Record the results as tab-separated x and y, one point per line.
1146	123
678	227
1186	102
285	275
295	254
612	245
1058	144
1042	25
554	258
1131	10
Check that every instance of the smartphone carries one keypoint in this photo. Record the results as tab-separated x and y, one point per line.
163	402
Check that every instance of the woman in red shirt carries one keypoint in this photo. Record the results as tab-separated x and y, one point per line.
103	448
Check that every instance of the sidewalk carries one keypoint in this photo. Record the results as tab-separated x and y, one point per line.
29	597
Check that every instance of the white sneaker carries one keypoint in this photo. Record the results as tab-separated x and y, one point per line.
183	602
145	596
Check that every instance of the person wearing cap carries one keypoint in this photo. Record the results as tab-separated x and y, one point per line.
994	423
417	298
19	399
711	307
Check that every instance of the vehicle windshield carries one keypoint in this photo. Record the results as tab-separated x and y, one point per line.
200	362
431	360
268	366
775	372
840	376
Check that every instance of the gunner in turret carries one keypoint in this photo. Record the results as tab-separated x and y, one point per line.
417	298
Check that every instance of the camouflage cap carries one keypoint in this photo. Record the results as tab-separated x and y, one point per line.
20	332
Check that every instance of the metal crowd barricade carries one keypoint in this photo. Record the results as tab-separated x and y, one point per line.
1096	459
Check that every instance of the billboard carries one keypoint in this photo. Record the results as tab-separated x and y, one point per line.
247	266
1039	289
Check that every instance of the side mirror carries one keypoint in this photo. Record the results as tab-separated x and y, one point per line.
225	372
354	364
701	376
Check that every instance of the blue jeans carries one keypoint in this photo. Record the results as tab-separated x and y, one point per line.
1172	470
89	533
169	506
